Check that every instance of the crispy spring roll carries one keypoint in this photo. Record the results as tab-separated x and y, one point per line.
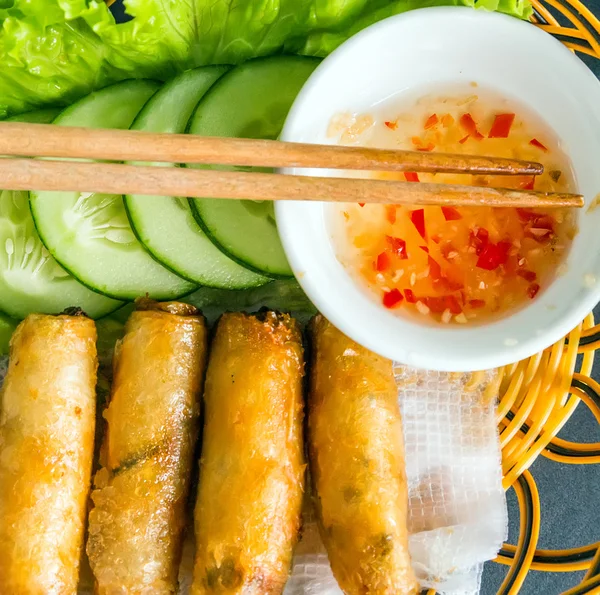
47	423
252	468
356	455
139	497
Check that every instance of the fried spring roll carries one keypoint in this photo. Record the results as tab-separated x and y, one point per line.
47	423
356	456
252	468
136	525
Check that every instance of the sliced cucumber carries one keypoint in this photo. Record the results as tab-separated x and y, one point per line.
165	225
42	116
7	327
30	279
251	101
89	234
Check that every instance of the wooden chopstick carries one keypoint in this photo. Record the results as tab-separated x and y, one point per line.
47	140
111	178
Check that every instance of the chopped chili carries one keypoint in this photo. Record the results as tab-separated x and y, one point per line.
410	296
435	270
529	276
534	142
493	255
501	126
361	204
467	122
449	251
436	304
392	298
452	304
425	249
475	304
463	140
391	125
532	290
478	239
411	176
428	147
528	184
431	121
451	214
383	262
418	220
398	247
390	213
452	285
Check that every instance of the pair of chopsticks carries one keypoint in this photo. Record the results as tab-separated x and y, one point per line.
57	143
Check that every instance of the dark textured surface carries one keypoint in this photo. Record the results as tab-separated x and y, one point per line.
570	501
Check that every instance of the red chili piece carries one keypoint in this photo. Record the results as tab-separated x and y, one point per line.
392	298
451	214
501	126
475	304
467	122
532	290
493	255
411	176
383	262
534	142
390	213
529	276
528	184
398	247
479	239
418	219
431	121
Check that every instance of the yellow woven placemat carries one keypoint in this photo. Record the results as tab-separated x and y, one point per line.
539	394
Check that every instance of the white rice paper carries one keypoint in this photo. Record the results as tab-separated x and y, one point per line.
457	507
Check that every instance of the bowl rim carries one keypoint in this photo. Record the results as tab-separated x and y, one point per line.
328	301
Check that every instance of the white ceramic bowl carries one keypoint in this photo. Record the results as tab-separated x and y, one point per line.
403	54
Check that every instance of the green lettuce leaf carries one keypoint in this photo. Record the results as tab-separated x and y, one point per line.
55	51
48	59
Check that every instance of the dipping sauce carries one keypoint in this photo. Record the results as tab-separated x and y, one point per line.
455	265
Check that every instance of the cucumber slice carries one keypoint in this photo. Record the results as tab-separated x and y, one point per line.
165	225
7	327
251	101
42	116
89	234
30	279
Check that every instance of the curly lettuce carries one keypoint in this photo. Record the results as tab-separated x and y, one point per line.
55	51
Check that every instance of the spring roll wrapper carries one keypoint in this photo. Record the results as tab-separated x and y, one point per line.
138	515
47	423
357	465
252	467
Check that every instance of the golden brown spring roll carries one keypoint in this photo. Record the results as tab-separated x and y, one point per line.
47	423
356	456
252	467
140	493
